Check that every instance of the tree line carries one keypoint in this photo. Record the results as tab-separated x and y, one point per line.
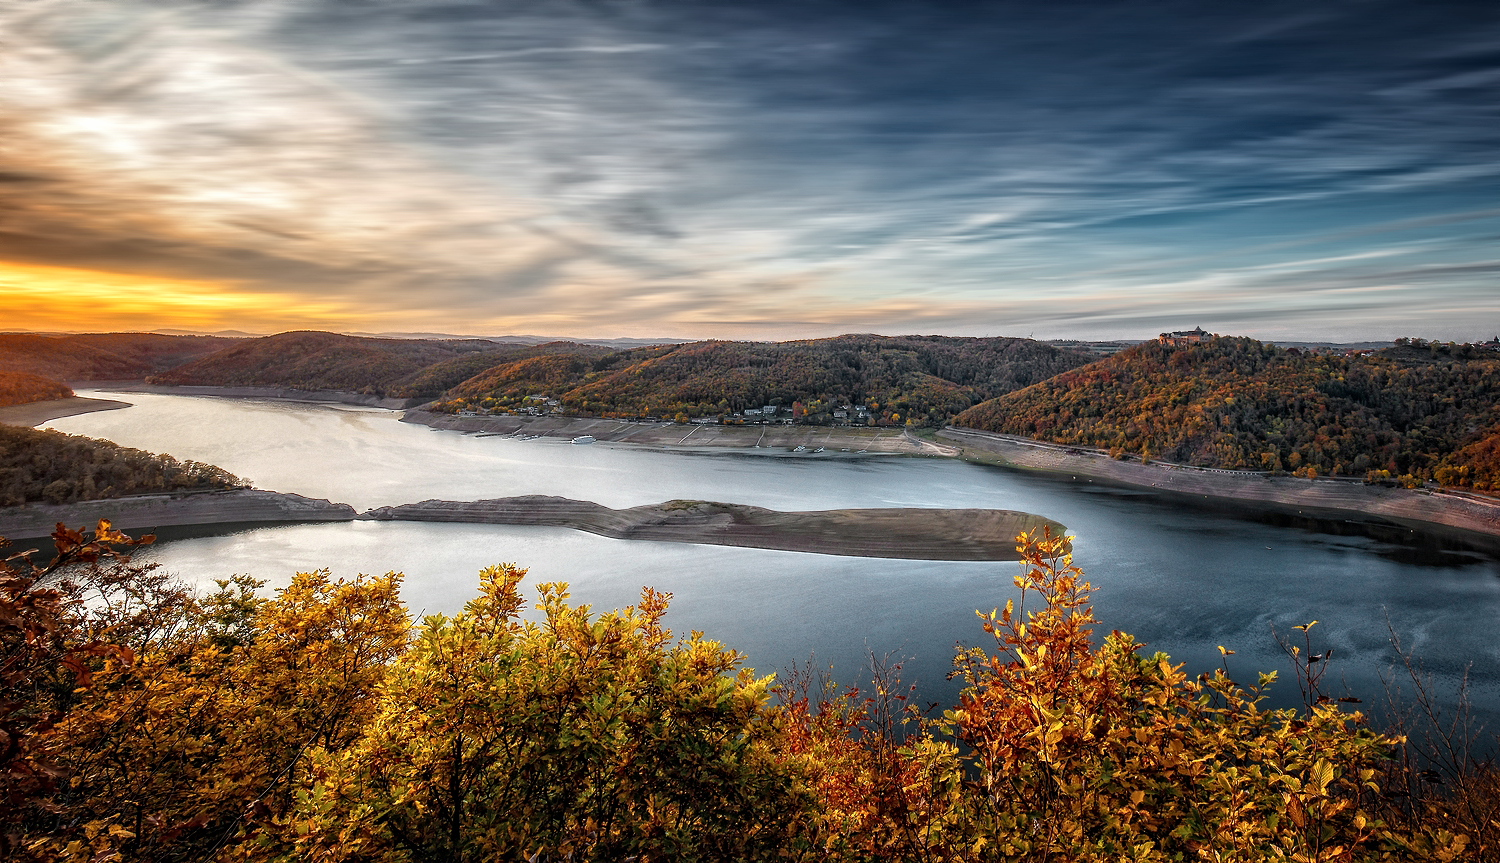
923	379
46	466
321	723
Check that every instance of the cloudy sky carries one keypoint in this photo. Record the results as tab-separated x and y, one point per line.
758	169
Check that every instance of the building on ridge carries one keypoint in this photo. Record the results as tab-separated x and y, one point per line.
1185	337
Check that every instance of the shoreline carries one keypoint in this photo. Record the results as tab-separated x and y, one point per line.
1418	507
34	414
273	393
768	440
902	533
1427	509
35	521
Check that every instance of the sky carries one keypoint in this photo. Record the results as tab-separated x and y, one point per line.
752	170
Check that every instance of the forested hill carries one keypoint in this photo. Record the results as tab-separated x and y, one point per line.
403	368
101	356
19	388
1429	410
927	379
47	466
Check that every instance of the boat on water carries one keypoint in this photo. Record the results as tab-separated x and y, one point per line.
586	438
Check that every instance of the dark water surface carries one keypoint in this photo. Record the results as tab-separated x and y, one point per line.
1184	576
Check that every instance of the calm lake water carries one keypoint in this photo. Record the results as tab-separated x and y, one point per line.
1180	576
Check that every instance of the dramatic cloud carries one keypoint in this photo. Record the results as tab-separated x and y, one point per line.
752	169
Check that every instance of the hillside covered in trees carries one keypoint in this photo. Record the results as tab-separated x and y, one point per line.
926	379
1430	411
101	356
20	388
310	360
319	724
45	466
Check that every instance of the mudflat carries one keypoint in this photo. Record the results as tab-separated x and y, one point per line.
910	534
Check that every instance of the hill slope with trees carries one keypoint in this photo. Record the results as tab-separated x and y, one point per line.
1431	411
45	466
20	388
310	360
926	379
102	356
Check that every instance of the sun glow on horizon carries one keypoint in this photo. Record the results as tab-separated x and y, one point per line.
47	298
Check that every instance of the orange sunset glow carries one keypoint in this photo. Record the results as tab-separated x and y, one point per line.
47	298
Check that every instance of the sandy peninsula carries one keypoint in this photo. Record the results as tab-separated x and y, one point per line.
910	534
149	512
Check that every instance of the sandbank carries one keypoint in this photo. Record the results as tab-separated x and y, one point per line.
910	534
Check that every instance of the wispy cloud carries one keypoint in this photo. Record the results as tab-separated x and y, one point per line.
764	169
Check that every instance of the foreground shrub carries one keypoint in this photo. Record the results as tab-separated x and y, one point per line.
142	722
578	737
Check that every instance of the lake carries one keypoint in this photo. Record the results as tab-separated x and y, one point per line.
1183	577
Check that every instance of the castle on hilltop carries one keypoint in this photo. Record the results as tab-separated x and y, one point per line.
1185	337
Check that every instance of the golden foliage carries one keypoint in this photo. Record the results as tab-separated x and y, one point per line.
318	725
20	388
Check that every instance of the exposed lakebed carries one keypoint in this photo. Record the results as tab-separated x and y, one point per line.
907	534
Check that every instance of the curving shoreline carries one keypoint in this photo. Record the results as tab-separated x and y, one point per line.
910	534
1411	506
769	440
274	393
36	413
